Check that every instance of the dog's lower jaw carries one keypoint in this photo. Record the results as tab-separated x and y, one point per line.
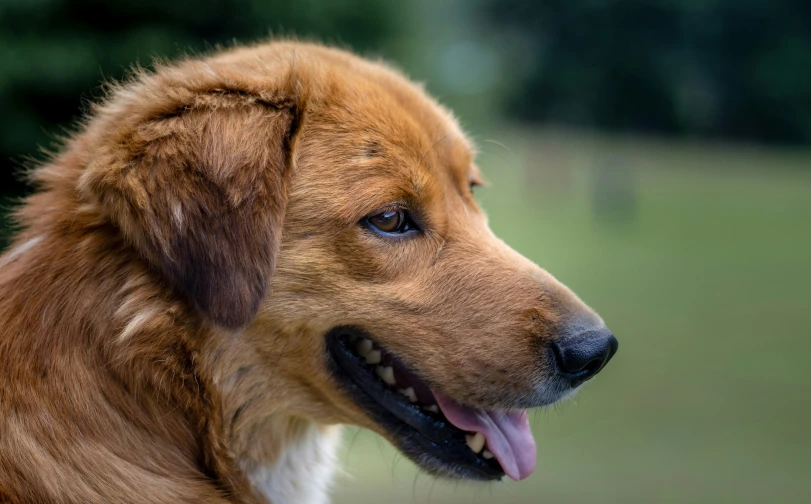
303	473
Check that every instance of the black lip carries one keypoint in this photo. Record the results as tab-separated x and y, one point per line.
427	439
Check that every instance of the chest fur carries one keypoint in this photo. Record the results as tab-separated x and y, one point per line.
303	473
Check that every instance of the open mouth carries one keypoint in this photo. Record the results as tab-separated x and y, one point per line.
436	432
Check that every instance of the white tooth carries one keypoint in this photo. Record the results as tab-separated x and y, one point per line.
432	408
363	347
487	454
386	374
475	441
373	357
409	392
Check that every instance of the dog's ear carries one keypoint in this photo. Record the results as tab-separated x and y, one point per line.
200	193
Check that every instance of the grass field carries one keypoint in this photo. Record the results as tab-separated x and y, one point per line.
700	261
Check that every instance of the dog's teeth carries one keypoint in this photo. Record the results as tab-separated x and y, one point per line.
487	454
386	374
364	346
475	441
409	392
373	357
432	408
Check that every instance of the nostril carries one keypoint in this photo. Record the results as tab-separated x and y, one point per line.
593	366
582	356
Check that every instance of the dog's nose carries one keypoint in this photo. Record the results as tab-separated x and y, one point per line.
581	356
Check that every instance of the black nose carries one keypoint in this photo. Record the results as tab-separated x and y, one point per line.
583	355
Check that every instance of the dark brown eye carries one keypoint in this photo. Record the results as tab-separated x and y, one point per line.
391	222
388	222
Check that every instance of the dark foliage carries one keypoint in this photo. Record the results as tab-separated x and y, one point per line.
738	69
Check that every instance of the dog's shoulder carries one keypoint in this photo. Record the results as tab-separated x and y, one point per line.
74	429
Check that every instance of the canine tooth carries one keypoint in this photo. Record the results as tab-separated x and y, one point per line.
432	408
373	357
409	392
364	346
386	374
475	441
487	454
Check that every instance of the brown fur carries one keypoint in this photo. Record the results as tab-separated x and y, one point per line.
162	309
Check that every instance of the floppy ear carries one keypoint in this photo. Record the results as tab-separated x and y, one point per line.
200	194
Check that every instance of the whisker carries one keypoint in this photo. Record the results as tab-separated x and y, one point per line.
500	144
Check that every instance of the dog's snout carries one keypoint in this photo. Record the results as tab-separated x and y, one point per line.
581	356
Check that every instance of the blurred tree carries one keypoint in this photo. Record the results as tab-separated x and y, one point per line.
55	52
720	68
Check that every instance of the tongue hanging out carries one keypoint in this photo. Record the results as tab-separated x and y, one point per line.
507	434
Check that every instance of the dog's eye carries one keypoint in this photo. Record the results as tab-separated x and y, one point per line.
391	222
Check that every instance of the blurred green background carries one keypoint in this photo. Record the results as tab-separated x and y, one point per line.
655	156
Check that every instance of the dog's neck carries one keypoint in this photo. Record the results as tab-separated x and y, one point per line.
253	442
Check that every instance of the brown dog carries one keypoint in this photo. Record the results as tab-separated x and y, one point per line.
236	254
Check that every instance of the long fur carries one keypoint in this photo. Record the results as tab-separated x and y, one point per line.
163	306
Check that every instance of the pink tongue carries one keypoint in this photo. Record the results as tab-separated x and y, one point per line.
507	433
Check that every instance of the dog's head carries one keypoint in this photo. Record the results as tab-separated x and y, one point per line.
320	208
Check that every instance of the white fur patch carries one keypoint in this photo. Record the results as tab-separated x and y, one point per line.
177	213
136	322
19	250
303	474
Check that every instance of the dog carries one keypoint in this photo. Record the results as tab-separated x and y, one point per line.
238	253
